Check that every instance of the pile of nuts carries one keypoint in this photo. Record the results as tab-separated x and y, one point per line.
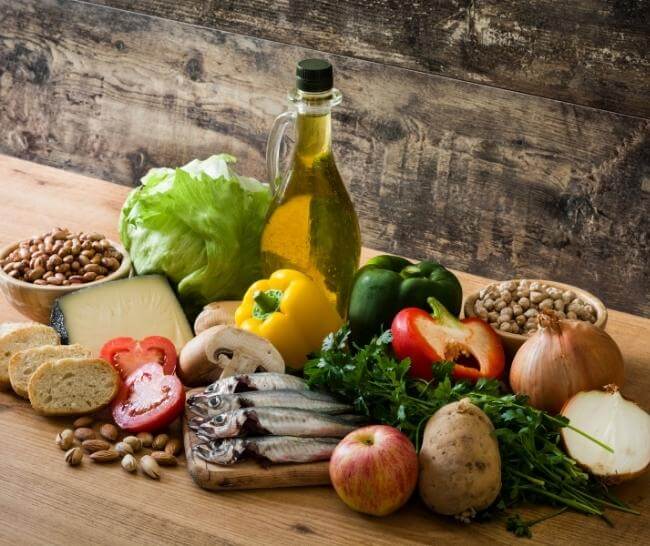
513	306
62	258
105	446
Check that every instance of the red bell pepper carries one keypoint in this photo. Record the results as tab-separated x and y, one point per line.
426	339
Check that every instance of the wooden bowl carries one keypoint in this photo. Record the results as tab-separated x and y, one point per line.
512	342
35	301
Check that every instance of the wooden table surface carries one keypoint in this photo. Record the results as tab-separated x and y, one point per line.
43	501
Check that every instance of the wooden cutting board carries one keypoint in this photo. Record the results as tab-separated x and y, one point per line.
248	474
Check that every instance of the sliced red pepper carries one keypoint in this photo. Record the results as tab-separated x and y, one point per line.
426	339
127	355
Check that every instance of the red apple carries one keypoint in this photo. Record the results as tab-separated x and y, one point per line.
374	469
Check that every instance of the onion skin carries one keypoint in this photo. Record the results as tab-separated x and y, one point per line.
563	358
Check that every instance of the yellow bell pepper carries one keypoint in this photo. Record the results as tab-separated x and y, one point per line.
291	311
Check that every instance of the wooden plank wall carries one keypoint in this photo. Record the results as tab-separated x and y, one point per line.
451	135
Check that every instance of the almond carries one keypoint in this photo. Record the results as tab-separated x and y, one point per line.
160	441
174	446
146	438
150	467
84	421
84	433
163	458
105	456
109	431
91	446
74	456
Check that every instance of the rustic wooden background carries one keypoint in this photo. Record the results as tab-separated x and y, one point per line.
501	137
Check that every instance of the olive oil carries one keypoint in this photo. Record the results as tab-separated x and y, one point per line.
311	224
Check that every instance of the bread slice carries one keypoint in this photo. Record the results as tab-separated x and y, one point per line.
24	363
18	336
72	386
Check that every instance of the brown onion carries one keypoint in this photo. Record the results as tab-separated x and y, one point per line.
563	358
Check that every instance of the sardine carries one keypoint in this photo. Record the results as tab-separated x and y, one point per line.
257	382
274	421
272	449
209	406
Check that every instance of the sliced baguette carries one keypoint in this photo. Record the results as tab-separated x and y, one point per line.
72	386
24	363
18	336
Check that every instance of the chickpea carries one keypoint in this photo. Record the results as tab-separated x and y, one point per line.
507	312
546	304
536	297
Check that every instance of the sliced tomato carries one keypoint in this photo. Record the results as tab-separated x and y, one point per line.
148	400
127	355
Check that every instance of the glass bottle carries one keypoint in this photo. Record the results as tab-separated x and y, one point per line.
311	224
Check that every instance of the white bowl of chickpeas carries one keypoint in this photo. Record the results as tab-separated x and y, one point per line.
511	307
36	271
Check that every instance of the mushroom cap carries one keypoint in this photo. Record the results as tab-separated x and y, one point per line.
224	350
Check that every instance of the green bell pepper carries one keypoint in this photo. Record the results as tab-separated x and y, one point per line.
388	284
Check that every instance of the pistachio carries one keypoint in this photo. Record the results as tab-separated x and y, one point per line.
163	458
109	431
65	439
123	448
105	456
160	441
134	442
146	438
91	446
84	433
74	456
84	421
150	467
129	463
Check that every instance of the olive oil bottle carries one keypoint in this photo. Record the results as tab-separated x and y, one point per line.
311	224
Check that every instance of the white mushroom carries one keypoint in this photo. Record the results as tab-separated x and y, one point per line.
214	314
222	351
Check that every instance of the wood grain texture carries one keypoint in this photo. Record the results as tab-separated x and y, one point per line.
481	179
43	501
247	474
590	52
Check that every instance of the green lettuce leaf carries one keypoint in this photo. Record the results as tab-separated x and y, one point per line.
199	225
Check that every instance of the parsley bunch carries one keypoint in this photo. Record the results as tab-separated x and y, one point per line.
534	467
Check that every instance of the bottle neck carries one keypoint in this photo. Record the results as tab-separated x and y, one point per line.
314	122
313	134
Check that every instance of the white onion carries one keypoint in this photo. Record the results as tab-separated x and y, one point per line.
617	423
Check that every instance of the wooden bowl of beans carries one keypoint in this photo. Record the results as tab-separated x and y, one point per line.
36	271
511	307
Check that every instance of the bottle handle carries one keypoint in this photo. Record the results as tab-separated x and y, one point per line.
273	145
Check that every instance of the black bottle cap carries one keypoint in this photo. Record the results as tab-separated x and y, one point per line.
314	75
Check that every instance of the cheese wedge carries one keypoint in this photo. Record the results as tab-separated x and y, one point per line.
137	307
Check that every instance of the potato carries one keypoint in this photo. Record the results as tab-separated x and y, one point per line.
460	466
